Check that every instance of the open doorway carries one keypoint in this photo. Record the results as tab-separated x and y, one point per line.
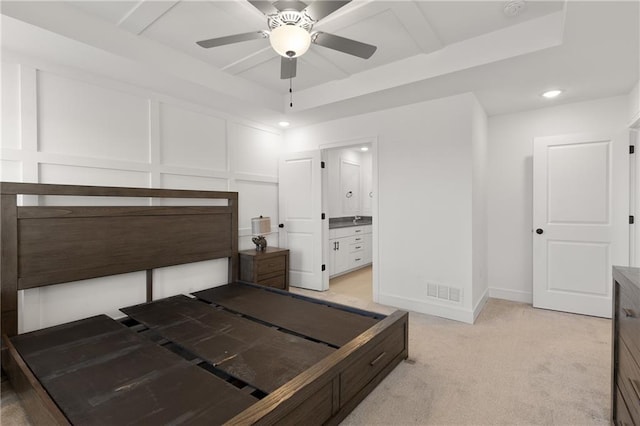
348	194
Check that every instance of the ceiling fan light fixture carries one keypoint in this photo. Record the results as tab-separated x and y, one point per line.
290	41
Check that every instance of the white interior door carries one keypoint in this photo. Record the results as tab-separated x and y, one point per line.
300	204
580	214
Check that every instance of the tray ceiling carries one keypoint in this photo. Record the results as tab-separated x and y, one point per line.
400	29
426	49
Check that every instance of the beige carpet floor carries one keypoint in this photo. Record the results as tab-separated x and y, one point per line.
516	366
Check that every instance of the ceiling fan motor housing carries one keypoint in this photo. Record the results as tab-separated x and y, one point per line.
290	17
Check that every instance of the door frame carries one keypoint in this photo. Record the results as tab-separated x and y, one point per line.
373	141
634	187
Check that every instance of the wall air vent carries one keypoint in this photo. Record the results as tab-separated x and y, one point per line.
443	292
432	290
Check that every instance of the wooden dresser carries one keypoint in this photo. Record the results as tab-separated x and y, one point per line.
269	267
625	404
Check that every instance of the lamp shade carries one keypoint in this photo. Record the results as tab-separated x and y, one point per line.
290	41
260	225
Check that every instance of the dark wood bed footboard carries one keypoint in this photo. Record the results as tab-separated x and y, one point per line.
327	392
323	394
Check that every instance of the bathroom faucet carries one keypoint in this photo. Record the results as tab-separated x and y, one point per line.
356	218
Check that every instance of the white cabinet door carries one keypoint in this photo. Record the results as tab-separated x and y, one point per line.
339	255
332	258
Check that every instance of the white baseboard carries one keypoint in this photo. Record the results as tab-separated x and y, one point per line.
480	305
513	295
440	310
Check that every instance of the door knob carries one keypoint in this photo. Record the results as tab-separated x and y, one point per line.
539	231
281	225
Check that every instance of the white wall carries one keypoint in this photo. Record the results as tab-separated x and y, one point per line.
424	221
61	125
634	104
510	182
479	224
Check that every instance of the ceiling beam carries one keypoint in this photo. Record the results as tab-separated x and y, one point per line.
253	60
143	14
243	11
323	65
417	25
531	36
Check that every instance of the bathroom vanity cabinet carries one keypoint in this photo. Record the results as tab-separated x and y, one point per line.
349	248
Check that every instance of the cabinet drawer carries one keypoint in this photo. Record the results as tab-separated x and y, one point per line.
267	266
629	380
629	319
355	247
349	231
368	365
366	229
356	259
341	232
277	281
623	417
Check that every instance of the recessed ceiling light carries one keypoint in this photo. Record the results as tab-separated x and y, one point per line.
284	124
364	148
551	93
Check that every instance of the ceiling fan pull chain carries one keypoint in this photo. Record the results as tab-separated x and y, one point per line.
290	93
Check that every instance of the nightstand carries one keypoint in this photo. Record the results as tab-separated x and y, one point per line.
269	267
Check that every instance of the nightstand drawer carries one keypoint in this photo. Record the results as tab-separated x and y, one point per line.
269	267
274	264
277	281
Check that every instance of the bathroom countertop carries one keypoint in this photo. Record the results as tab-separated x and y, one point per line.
345	222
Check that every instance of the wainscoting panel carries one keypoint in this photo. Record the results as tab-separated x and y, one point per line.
192	139
254	151
83	119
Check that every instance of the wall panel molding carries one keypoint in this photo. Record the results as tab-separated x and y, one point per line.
208	150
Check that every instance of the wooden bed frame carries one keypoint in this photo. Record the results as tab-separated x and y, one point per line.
47	245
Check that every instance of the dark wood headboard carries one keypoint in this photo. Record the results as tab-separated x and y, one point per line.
46	245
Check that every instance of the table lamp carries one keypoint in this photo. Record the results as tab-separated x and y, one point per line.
259	227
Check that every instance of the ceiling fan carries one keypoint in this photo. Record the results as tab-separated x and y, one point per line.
290	32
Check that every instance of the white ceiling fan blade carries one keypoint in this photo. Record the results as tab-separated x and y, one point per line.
290	5
288	67
265	7
342	44
321	8
236	38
